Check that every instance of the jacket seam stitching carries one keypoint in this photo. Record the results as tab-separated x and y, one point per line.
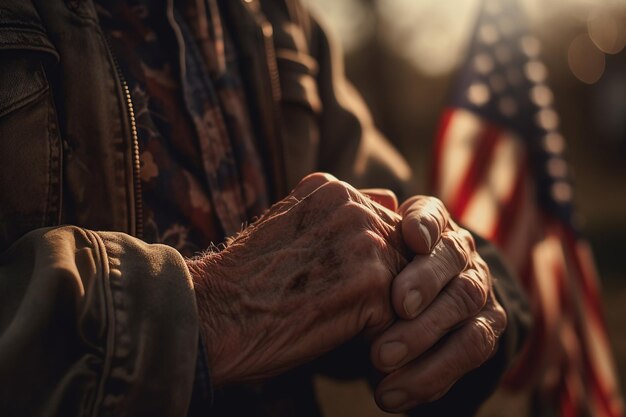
107	363
24	101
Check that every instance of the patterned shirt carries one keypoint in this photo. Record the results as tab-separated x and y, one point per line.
202	177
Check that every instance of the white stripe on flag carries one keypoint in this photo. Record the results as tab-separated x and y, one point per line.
483	211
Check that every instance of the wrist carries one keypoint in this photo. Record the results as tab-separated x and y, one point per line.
213	311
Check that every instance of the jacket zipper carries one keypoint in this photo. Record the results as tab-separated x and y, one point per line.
274	138
270	53
136	162
138	202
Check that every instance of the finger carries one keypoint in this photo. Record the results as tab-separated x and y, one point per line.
382	196
463	298
388	216
432	375
424	219
374	217
385	221
417	285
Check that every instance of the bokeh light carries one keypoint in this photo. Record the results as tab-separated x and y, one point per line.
541	95
586	61
478	94
535	71
554	143
483	63
606	31
530	46
557	167
547	119
562	191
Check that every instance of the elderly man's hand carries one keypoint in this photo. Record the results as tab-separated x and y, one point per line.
312	273
327	264
450	319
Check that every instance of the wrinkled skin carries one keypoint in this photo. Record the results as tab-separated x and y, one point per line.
450	320
329	263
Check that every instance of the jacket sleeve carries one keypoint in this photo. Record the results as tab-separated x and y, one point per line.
351	147
95	323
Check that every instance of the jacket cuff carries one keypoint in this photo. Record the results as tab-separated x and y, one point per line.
153	329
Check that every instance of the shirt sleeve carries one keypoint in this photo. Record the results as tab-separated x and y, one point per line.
95	323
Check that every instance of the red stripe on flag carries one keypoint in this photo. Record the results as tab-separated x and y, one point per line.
598	386
568	408
440	140
591	307
570	404
567	277
590	291
477	170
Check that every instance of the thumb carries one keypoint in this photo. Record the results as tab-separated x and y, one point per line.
382	196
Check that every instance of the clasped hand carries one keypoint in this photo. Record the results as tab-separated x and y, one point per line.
329	263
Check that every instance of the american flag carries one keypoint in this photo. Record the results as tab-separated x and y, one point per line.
500	168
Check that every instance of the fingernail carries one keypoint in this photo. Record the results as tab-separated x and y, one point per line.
426	235
393	399
412	303
392	353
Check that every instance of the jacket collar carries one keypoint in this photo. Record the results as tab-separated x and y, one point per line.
21	29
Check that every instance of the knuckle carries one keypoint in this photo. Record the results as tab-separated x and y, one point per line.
310	184
428	330
470	294
467	239
455	251
499	318
482	341
481	266
378	317
367	244
378	278
439	272
437	212
315	179
434	202
355	212
333	191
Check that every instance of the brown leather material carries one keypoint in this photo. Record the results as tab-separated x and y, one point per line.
95	324
100	323
30	148
21	29
98	189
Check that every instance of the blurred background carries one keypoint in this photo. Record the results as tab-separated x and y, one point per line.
403	56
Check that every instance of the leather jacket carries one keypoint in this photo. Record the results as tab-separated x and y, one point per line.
77	337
